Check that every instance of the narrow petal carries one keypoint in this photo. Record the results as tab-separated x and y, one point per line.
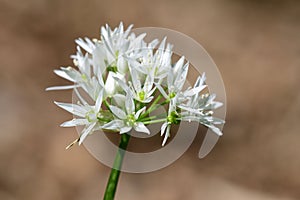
163	128
167	134
99	102
129	104
178	65
84	45
181	78
125	129
86	131
140	127
69	73
194	91
135	79
75	122
63	75
113	125
162	91
118	112
64	87
138	113
215	129
119	100
82	100
72	108
110	84
123	85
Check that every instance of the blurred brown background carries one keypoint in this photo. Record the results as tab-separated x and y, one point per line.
256	45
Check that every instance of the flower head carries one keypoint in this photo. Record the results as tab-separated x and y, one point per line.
127	79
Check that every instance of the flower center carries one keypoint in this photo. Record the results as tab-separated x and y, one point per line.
172	118
84	77
142	95
91	116
112	68
131	119
172	95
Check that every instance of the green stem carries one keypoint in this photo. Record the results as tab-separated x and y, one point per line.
115	171
107	105
153	105
155	121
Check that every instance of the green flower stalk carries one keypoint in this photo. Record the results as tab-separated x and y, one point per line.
115	171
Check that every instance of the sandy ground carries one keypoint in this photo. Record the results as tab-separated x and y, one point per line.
256	46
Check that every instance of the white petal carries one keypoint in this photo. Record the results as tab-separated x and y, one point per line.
189	109
129	104
63	75
216	105
178	65
99	102
162	91
163	128
113	125
138	113
181	78
147	100
162	44
98	62
122	64
84	45
194	91
82	100
110	84
118	112
123	85
128	30
72	108
125	129
135	79
167	134
215	129
140	127
119	100
75	122
69	73
65	87
85	132
148	83
153	43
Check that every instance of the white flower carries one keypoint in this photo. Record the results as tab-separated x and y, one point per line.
157	62
195	108
126	118
117	44
172	118
200	108
142	92
175	82
175	79
80	79
88	115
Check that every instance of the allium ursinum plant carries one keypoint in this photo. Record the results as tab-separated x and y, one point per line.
127	79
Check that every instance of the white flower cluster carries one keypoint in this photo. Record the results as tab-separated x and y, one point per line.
127	79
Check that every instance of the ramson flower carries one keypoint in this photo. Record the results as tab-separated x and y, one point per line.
200	108
85	114
126	118
172	118
188	106
141	92
157	62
